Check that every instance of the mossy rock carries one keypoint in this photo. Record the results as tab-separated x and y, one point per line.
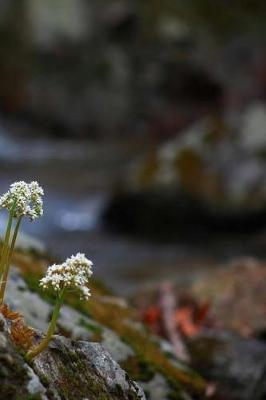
15	375
111	322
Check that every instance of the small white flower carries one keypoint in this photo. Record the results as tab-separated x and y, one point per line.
23	199
74	274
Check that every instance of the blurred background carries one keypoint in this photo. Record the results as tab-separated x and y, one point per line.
145	122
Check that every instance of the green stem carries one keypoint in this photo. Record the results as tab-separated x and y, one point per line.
8	261
4	251
51	329
14	238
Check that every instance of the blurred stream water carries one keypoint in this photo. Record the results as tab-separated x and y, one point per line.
78	177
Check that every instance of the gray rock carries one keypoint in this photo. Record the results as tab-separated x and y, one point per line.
157	388
18	381
101	359
35	310
35	386
68	369
235	364
51	21
254	127
78	370
24	241
118	349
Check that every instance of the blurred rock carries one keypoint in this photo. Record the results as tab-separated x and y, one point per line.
210	177
254	128
226	308
236	294
237	366
53	20
64	64
88	70
231	295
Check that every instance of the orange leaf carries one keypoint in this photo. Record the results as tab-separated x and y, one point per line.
8	314
152	315
21	334
184	320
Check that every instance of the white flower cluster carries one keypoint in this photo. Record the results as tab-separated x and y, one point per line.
74	273
24	199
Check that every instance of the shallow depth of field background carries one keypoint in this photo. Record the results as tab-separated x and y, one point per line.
145	122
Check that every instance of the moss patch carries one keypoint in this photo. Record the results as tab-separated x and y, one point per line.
94	329
138	369
76	380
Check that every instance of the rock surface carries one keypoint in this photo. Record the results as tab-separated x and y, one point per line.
237	365
77	369
18	381
67	369
125	352
222	318
236	295
210	177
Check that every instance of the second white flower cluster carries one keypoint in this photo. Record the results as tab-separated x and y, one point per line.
74	274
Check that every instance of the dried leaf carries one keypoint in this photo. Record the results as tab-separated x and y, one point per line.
152	315
21	334
8	314
185	322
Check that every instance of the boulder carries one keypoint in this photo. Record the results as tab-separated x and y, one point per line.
67	369
209	178
236	365
103	338
78	369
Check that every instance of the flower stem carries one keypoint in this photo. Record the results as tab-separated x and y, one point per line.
4	251
8	261
51	329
